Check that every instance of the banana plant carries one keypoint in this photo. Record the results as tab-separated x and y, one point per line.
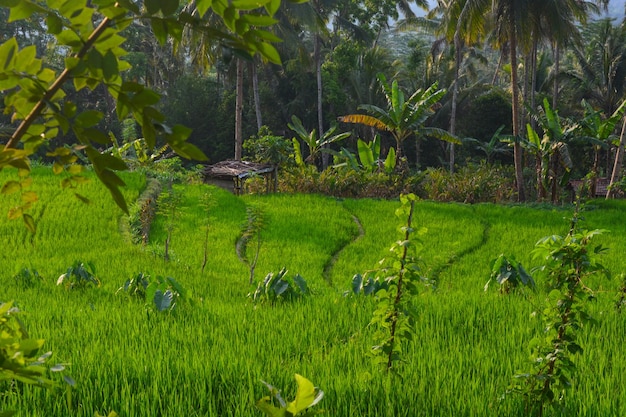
551	149
315	143
369	155
403	117
600	132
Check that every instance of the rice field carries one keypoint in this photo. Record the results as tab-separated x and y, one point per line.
207	358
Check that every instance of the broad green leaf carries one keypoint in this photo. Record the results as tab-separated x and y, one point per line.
364	120
89	118
30	223
269	52
169	7
152	6
109	65
159	27
390	161
8	52
258	20
15	213
268	409
29	197
25	58
189	151
11	187
54	23
305	396
248	4
24	9
163	300
262	34
69	38
272	7
109	40
366	155
202	6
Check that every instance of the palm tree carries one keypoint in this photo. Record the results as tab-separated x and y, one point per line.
599	74
402	118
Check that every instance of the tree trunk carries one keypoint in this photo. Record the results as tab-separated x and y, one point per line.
255	91
458	56
617	167
317	56
557	62
239	112
517	148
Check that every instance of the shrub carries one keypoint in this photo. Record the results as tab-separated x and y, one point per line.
474	183
349	183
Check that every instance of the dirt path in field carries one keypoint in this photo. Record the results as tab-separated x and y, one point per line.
333	259
436	272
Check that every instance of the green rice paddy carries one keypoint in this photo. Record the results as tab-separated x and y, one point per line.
208	358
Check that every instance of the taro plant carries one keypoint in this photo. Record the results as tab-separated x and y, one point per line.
368	284
79	276
27	278
394	314
510	274
280	287
160	294
307	396
136	286
164	294
568	262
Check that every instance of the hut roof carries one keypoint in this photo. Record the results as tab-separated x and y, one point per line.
236	169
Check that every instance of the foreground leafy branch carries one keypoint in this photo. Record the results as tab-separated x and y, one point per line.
567	263
92	34
306	397
394	314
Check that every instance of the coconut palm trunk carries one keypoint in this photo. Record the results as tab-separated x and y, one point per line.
517	148
239	112
617	167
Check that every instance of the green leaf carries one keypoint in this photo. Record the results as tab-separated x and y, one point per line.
189	151
8	52
366	156
269	52
30	223
202	6
390	161
163	300
272	7
89	118
24	9
306	396
11	187
152	6
110	66
169	7
258	20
